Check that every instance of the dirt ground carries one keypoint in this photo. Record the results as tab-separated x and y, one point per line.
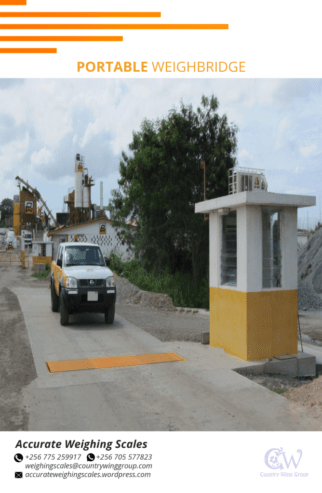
17	367
306	391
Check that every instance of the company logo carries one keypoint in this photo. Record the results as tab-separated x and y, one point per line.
283	464
91	282
28	207
275	458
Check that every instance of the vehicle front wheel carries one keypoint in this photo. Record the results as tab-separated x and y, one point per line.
54	298
64	315
110	314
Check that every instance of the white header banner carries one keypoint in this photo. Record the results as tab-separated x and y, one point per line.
207	39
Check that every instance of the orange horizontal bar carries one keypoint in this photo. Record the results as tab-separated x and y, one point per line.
111	362
13	2
28	50
113	26
61	38
80	14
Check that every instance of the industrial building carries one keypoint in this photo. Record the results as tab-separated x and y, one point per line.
99	231
85	221
24	210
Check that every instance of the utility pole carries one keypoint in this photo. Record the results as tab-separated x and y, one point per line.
202	165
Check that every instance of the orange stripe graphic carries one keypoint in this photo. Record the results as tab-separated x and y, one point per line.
13	2
80	14
28	50
113	26
61	38
112	362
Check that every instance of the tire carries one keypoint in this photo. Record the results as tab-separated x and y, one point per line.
54	298
64	315
110	314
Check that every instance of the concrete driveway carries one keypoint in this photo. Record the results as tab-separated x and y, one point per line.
201	393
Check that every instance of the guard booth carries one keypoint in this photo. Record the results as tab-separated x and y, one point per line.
253	268
42	252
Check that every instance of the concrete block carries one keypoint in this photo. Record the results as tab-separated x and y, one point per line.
299	365
39	268
285	365
205	337
306	365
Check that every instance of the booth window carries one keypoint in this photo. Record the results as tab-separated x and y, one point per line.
229	249
271	221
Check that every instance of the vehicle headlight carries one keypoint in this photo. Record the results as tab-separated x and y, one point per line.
110	282
71	282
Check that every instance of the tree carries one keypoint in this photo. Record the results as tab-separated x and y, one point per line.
6	209
161	181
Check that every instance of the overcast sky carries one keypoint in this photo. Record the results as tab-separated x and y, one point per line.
45	122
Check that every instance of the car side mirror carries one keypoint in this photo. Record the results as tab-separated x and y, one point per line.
59	262
107	262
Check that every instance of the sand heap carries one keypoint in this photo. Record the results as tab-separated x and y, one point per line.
310	273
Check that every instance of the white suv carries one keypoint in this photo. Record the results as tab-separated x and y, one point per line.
82	282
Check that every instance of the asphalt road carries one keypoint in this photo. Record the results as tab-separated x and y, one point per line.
201	393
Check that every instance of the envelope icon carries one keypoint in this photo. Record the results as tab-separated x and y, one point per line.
18	474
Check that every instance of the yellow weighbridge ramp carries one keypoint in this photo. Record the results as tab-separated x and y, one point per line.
111	362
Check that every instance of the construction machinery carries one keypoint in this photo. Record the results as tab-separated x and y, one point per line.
25	207
79	198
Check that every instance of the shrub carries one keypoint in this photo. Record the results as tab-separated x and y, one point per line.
178	286
43	274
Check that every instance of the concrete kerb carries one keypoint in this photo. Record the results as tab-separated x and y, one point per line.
192	311
297	365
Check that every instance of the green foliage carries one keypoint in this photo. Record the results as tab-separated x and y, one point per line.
43	274
161	181
277	390
317	227
6	209
178	286
116	264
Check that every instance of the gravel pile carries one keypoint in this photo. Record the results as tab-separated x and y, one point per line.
310	273
127	293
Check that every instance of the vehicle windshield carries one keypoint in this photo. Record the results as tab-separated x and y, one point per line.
83	255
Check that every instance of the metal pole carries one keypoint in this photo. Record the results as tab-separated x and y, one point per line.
203	166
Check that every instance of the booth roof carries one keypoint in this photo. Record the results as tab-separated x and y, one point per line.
255	198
